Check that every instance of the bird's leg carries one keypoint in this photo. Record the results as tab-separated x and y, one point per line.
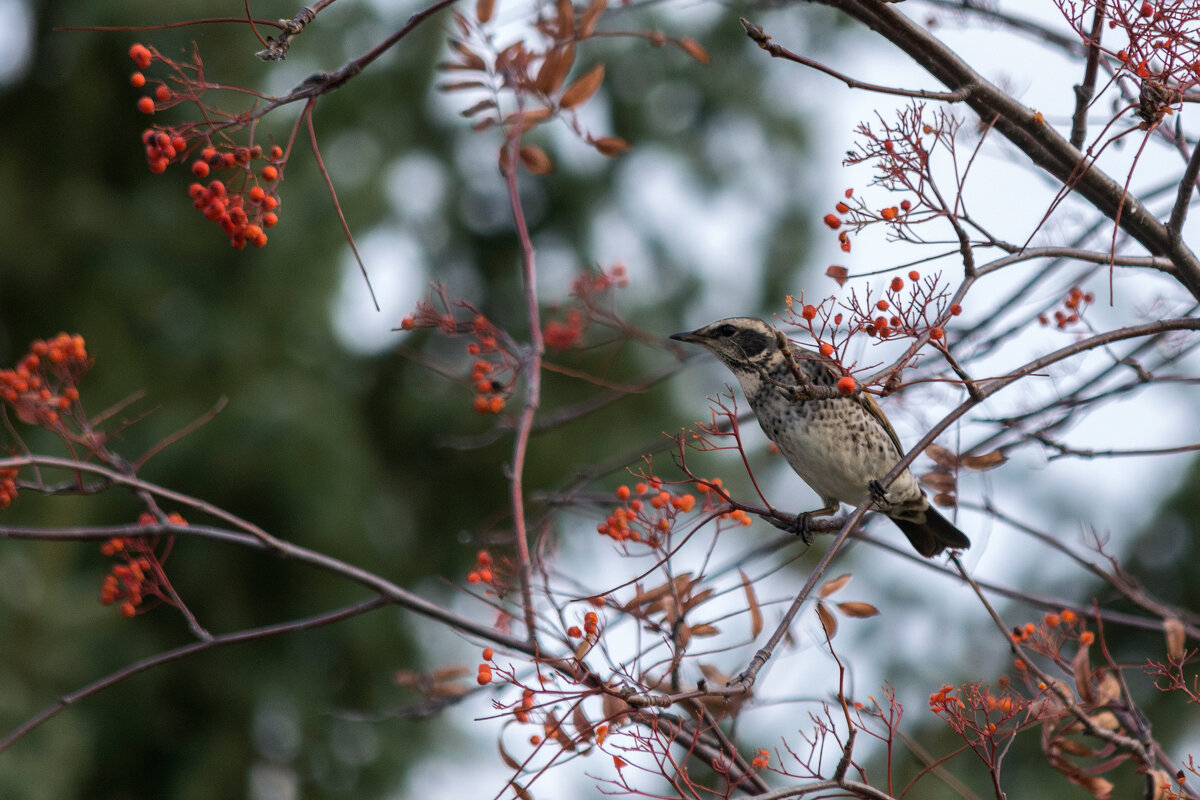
878	493
799	525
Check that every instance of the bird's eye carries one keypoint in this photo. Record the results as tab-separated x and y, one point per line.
726	330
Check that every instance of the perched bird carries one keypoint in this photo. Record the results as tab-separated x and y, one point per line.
841	445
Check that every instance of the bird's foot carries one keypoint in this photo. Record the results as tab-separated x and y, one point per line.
795	524
878	493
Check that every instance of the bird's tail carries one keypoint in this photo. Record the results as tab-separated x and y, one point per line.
933	534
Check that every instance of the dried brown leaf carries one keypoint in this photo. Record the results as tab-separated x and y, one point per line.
941	456
581	723
484	9
470	59
828	621
1072	747
508	760
704	629
697	599
520	791
693	49
714	675
554	69
614	708
483	124
554	730
456	85
610	145
680	583
756	617
1081	670
1108	689
1176	638
582	649
1162	784
839	274
579	91
482	105
833	584
858	610
945	500
464	26
566	18
1106	720
1100	788
940	481
985	461
587	22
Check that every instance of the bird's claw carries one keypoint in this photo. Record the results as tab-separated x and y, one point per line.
878	493
797	525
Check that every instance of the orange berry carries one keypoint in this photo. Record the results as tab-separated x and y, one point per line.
889	213
137	80
574	632
488	653
832	221
897	284
846	384
809	312
269	173
640	488
162	94
955	310
481	404
1086	638
936	333
200	169
276	153
145	105
882	305
128	609
623	492
1068	616
842	208
496	404
140	55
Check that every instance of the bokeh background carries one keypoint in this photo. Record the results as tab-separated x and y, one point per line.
336	440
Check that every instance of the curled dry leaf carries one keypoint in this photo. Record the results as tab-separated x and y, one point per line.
535	160
554	729
520	791
615	709
1081	669
941	456
1162	784
714	675
693	49
587	23
1176	638
508	760
828	621
985	461
756	617
697	599
1072	747
858	610
609	145
582	724
484	9
1108	689
839	274
704	629
1106	720
579	91
554	69
940	481
680	583
945	500
833	584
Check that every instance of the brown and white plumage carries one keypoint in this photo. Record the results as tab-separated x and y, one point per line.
840	445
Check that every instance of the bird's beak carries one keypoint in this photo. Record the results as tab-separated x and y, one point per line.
691	337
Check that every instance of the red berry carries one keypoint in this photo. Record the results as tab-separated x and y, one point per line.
832	221
846	384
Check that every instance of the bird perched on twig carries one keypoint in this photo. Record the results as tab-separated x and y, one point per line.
840	444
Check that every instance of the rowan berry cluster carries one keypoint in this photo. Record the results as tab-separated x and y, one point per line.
494	368
482	573
589	290
139	574
484	675
1074	304
591	628
762	759
245	202
646	513
567	334
976	713
43	384
8	487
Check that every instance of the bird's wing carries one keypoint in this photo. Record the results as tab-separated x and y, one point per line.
872	408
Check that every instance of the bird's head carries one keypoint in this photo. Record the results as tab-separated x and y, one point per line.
744	344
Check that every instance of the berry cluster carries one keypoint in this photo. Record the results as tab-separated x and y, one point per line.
638	520
139	575
1074	304
484	676
43	383
8	487
493	372
761	760
565	335
483	568
245	202
591	628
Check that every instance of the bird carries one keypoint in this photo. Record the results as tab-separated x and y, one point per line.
841	445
